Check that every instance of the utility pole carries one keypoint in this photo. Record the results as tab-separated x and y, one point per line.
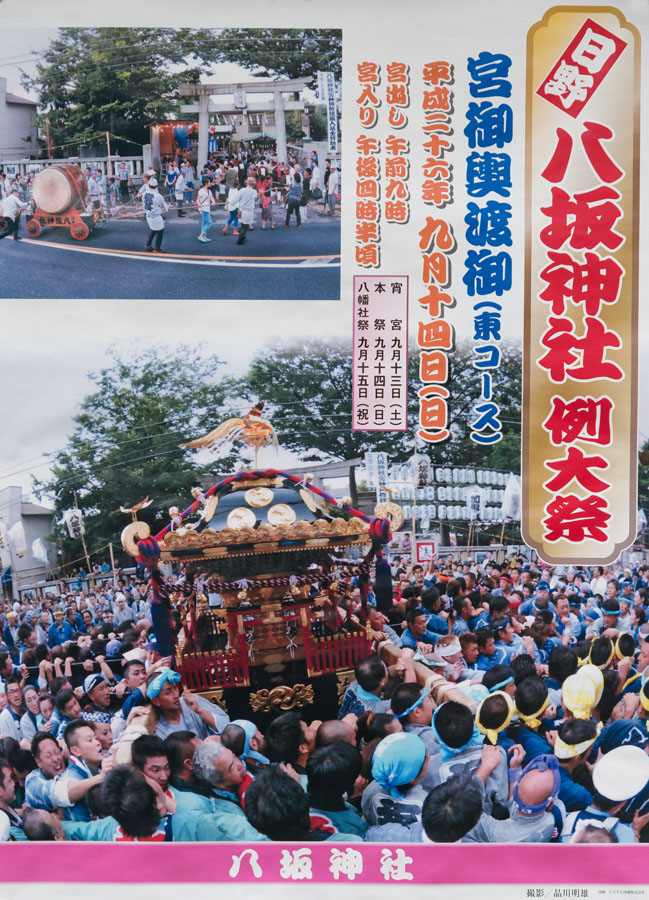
112	564
110	163
83	539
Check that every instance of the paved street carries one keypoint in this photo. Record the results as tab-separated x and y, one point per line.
279	264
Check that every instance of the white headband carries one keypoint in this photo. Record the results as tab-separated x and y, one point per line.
448	649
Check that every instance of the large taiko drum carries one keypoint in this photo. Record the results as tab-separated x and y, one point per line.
59	187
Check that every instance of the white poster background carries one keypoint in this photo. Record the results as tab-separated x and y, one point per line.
324	892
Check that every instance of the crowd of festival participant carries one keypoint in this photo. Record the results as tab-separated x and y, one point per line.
545	739
243	183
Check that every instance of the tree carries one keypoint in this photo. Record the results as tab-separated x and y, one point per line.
294	133
274	52
124	446
120	80
318	124
308	389
643	482
464	386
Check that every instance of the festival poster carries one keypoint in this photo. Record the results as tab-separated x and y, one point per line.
458	332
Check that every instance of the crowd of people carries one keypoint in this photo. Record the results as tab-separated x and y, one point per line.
241	184
543	737
15	198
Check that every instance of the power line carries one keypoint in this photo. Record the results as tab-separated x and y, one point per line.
145	56
117	446
93	472
214	43
232	413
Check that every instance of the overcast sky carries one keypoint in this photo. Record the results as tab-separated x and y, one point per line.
46	378
20	49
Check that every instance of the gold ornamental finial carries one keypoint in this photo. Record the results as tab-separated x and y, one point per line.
134	510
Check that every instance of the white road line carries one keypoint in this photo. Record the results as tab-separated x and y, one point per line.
319	263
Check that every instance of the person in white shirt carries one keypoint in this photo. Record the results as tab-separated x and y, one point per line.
145	185
232	206
204	201
247	200
154	206
181	187
332	189
599	582
94	189
11	208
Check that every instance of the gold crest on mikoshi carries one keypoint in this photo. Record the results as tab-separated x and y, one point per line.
391	511
134	510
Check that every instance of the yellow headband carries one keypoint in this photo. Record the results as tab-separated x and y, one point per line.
596	678
631	680
534	719
492	733
589	661
569	751
618	652
644	699
578	695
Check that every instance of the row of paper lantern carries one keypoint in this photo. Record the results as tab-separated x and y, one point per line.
424	514
488	495
448	475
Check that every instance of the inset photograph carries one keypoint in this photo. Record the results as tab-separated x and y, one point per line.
158	163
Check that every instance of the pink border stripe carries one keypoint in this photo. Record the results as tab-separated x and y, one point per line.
533	864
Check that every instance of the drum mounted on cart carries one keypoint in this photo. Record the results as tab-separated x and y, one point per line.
62	200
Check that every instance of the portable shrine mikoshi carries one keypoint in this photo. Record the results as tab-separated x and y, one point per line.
263	547
62	200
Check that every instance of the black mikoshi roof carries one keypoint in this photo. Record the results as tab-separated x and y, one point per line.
262	513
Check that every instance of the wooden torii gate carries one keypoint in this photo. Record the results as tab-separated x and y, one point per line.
239	91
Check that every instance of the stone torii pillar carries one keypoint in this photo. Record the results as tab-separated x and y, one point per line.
203	130
280	127
277	88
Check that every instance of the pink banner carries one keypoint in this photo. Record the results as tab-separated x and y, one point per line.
380	374
360	863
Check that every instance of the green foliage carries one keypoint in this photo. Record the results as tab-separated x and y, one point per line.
273	52
122	80
307	385
464	386
318	122
643	488
293	120
110	79
124	446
